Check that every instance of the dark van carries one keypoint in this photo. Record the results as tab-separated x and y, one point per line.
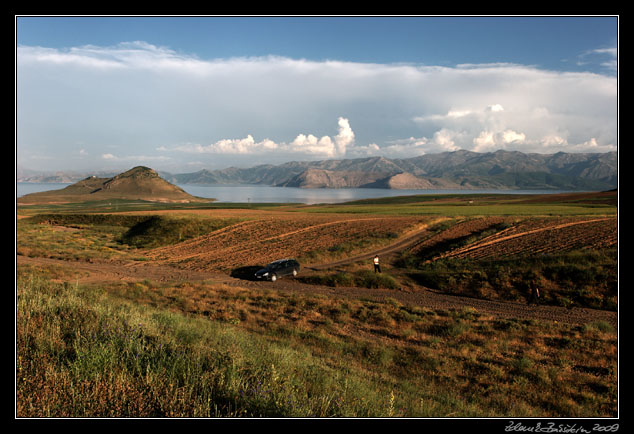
277	269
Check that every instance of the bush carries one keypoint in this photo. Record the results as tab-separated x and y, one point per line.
365	279
369	279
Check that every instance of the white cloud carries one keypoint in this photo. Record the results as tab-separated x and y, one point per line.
147	99
302	144
606	57
345	137
489	141
134	158
311	145
495	108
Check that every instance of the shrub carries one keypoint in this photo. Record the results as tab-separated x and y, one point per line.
366	279
369	279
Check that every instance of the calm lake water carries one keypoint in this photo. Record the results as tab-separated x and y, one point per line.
269	194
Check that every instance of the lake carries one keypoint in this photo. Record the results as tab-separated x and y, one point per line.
269	194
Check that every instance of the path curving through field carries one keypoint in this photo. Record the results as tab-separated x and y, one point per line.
91	273
194	260
405	242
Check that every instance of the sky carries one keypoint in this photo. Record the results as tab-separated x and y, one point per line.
181	94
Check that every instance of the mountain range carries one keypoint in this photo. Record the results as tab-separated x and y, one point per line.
449	170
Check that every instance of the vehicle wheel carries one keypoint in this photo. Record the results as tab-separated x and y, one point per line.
273	277
294	272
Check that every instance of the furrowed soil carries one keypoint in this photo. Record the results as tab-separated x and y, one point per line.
326	242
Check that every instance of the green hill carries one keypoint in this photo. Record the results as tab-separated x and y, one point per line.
138	183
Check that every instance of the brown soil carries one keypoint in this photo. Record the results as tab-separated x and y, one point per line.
273	236
203	258
544	236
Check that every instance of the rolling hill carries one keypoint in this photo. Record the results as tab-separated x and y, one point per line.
138	183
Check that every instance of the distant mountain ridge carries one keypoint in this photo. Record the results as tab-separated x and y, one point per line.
448	170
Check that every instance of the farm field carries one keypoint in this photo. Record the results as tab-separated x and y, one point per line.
448	313
274	236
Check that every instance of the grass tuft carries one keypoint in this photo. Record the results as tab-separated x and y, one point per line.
137	351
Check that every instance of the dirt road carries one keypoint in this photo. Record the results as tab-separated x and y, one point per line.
403	243
104	271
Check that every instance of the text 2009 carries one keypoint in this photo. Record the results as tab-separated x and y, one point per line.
606	428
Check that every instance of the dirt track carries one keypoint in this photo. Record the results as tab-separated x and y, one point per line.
404	243
198	259
96	272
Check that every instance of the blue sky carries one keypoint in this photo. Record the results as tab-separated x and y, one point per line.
185	93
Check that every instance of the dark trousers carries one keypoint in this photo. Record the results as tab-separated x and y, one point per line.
377	268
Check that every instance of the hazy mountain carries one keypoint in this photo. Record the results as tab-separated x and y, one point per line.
460	169
26	175
448	170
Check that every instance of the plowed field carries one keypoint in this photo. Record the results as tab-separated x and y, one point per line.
265	236
542	236
458	231
271	237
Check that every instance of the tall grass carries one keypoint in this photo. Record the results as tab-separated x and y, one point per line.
142	349
82	353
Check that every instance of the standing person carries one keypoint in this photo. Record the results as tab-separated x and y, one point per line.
377	267
534	293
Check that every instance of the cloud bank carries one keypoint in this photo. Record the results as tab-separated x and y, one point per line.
302	144
136	99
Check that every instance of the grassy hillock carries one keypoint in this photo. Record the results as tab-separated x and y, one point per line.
138	183
156	231
89	236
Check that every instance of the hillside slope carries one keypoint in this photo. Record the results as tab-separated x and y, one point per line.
138	183
453	170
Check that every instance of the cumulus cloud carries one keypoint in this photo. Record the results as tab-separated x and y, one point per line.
345	137
143	99
490	141
230	146
325	146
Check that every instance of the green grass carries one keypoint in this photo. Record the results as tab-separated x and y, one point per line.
468	210
142	349
147	349
108	235
74	237
467	204
571	279
363	279
156	231
125	205
471	205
